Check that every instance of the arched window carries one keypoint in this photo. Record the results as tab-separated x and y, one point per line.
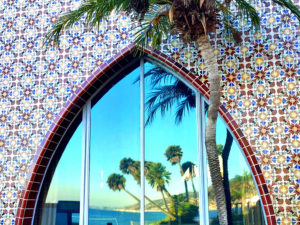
97	179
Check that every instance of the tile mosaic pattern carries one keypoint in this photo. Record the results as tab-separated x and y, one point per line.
260	81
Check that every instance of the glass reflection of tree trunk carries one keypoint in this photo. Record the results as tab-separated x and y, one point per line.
169	196
131	195
225	157
161	209
194	189
165	202
185	182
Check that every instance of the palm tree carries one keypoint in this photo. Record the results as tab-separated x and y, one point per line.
191	167
248	188
129	166
242	187
172	217
174	155
132	167
126	165
116	182
158	177
192	21
166	91
225	158
224	155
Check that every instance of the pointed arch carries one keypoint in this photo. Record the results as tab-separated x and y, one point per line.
68	119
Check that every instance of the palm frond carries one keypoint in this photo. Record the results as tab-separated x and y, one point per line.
161	95
248	11
164	97
167	91
160	2
289	4
182	108
227	16
157	77
163	106
231	31
93	10
153	29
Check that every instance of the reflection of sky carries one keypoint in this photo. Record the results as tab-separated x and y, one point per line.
115	135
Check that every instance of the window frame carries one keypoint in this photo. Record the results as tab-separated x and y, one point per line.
201	152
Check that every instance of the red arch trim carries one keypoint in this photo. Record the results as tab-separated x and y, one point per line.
41	160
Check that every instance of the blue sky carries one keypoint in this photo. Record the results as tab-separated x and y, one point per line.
115	135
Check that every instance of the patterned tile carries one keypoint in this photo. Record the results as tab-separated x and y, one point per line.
260	90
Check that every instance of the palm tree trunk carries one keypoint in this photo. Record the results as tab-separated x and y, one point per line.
210	61
194	189
186	191
225	157
161	209
165	202
169	196
185	183
243	206
180	167
152	202
131	195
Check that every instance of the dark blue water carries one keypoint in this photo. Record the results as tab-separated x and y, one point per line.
102	217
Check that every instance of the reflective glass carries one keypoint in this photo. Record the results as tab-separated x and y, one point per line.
62	203
171	166
171	150
245	203
115	155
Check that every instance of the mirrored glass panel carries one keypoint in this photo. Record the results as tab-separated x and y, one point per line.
171	150
171	161
244	198
115	155
61	206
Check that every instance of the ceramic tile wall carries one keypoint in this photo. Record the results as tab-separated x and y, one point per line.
260	89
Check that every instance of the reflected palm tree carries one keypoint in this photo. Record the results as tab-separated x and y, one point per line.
248	188
126	165
116	182
158	177
132	167
167	91
191	167
129	166
174	155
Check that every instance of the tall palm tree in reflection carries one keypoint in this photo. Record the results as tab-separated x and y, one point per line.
126	165
166	93
247	188
174	155
129	166
191	167
116	182
132	167
158	177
